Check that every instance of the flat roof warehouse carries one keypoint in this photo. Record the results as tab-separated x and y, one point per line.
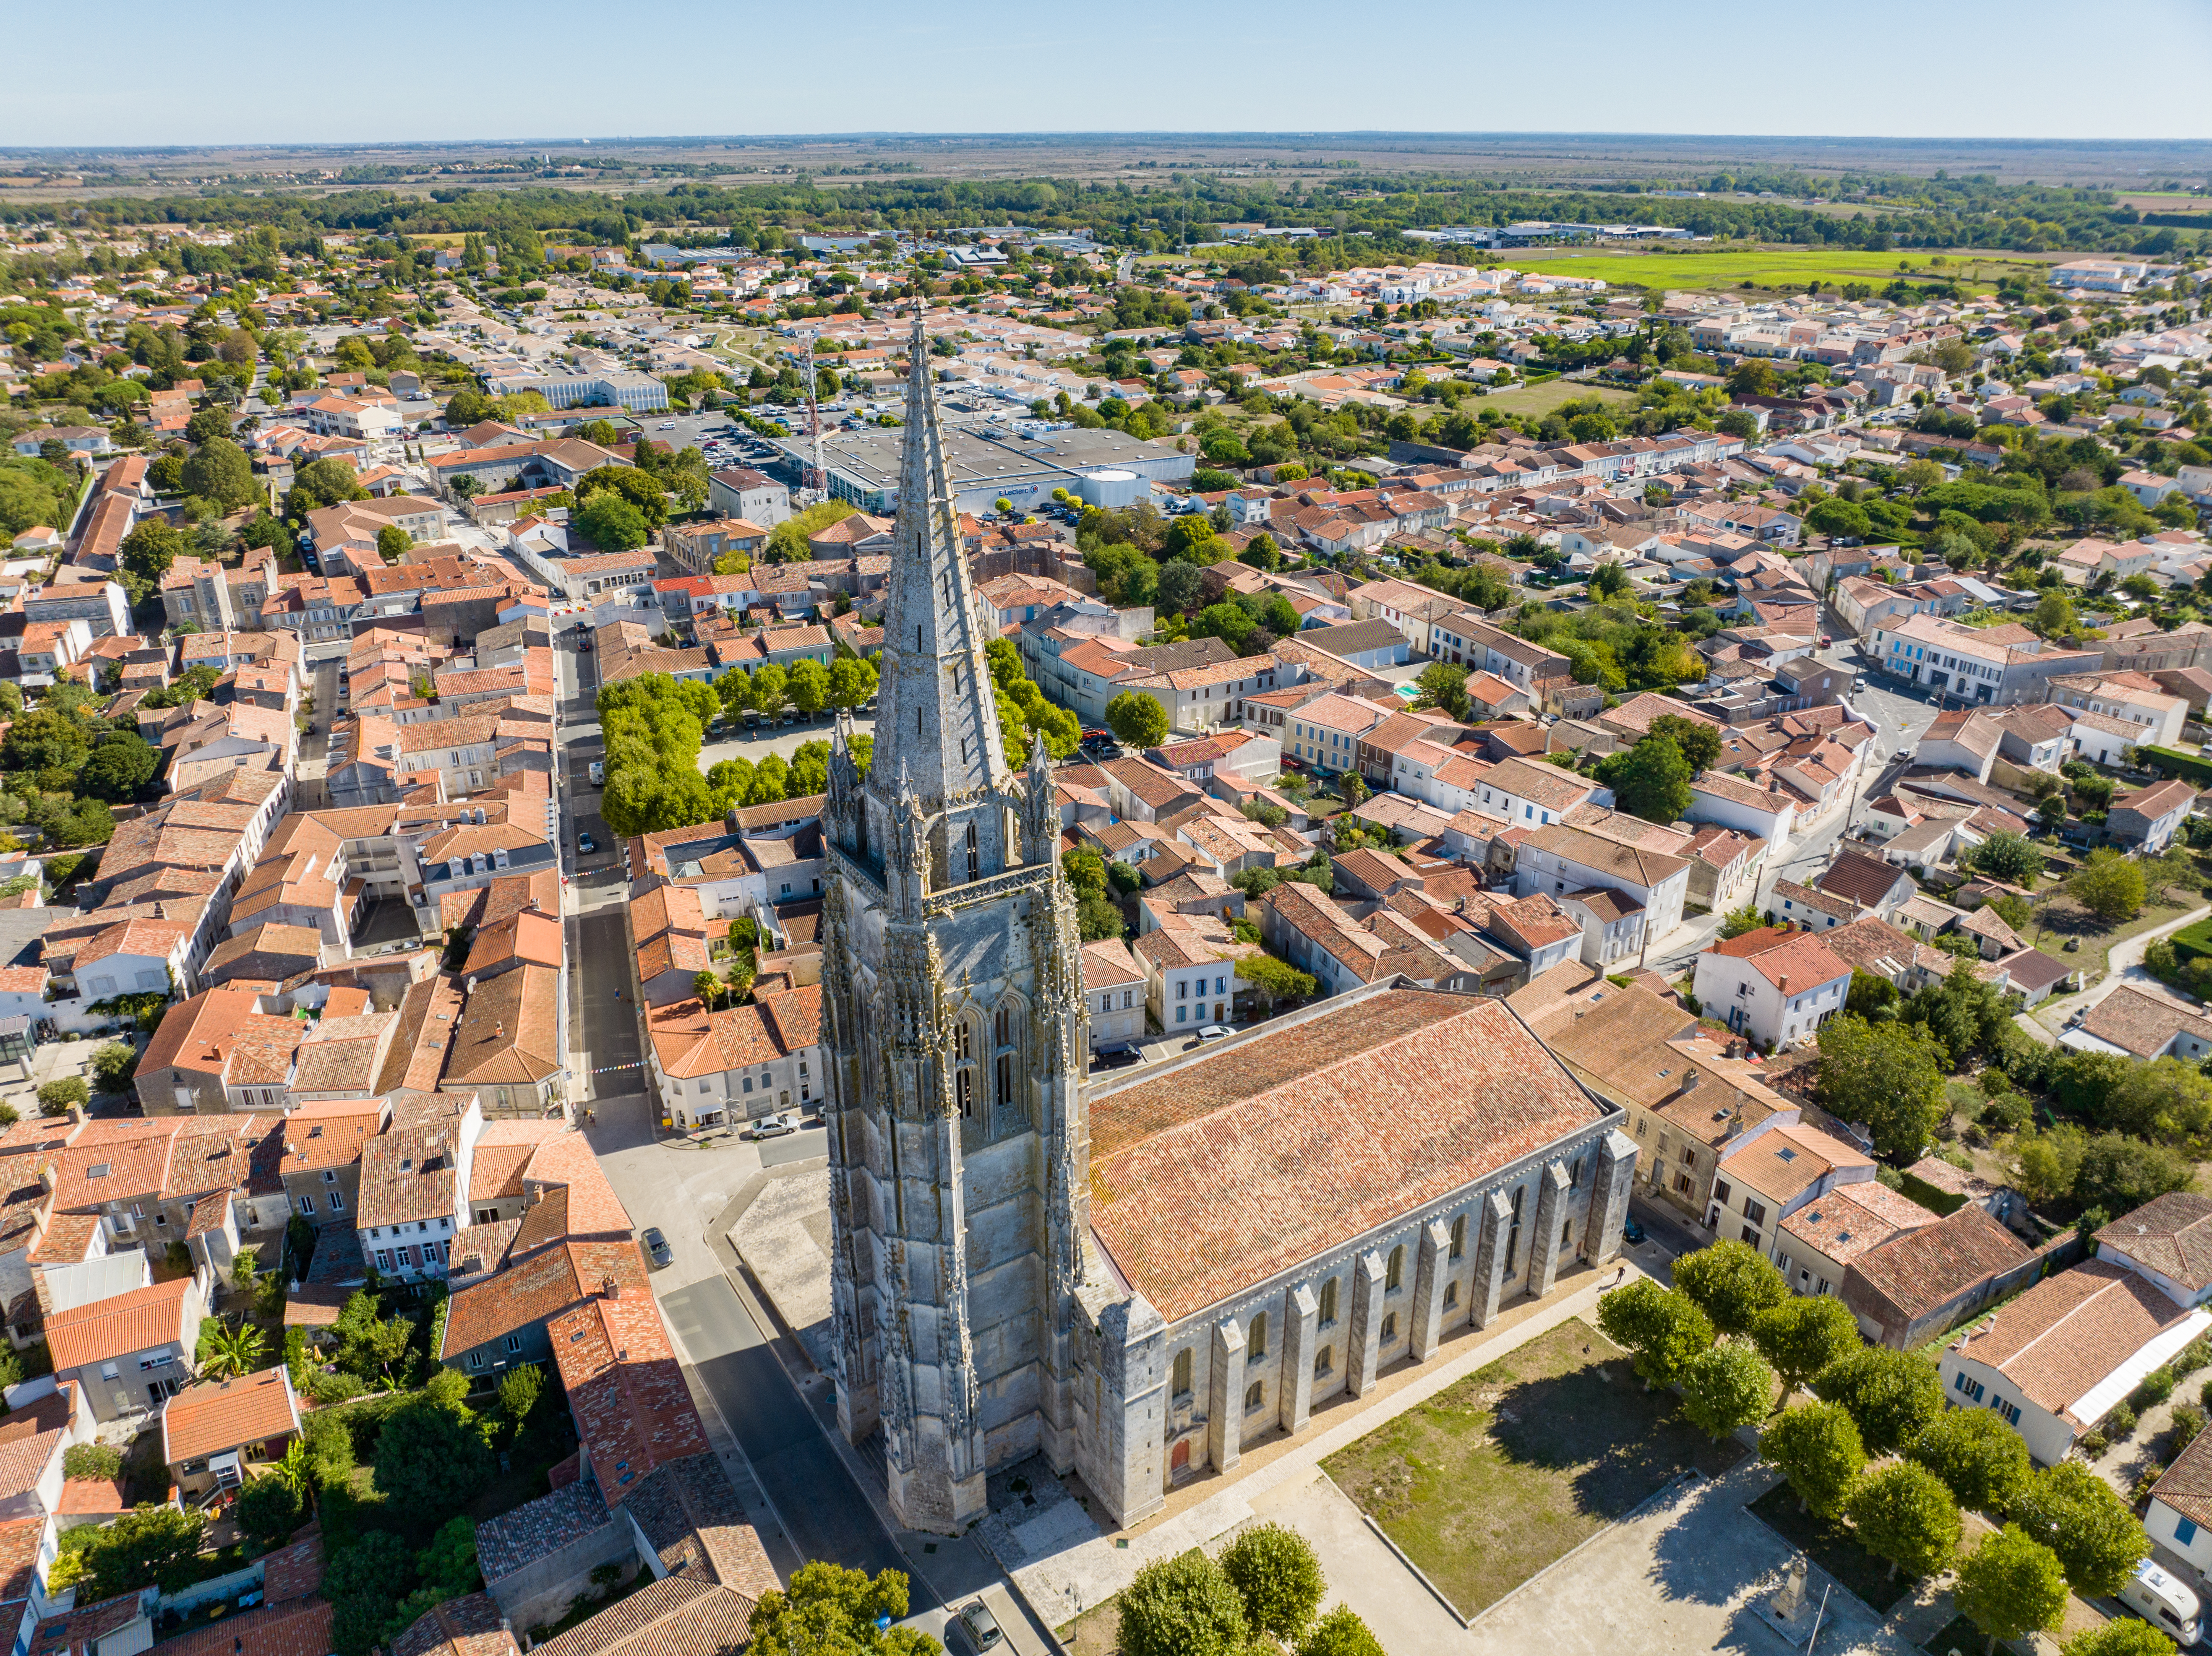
985	465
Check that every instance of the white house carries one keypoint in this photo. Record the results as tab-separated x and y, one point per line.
1776	987
1561	861
1765	1181
2055	1361
1114	984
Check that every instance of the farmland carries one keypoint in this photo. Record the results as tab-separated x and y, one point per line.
1762	267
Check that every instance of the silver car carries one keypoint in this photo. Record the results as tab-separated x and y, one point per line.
981	1626
773	1127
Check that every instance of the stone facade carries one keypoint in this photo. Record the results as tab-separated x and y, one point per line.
978	1318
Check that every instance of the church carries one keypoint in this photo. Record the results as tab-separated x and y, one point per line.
1132	1276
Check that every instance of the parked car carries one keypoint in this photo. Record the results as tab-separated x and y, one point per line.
597	772
586	844
773	1127
1632	1230
2161	1599
1216	1032
656	1248
1117	1057
981	1626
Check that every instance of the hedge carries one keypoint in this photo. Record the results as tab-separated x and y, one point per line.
2172	762
2192	941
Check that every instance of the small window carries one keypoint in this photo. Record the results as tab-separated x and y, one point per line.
2185	1531
1459	1237
1324	1361
1451	1295
1394	1275
1328	1303
1180	1384
1256	1339
306	1203
1255	1395
1390	1328
514	1342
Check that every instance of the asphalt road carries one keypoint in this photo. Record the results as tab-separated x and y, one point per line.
824	1512
807	1144
610	1026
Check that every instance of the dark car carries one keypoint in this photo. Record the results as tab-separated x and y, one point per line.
1630	1230
657	1248
1117	1057
586	844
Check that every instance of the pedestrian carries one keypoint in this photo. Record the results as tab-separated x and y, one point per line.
1619	1275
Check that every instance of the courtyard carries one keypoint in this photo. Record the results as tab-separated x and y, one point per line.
1494	1478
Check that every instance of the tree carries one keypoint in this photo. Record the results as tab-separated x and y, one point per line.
431	1457
851	681
2119	1174
2011	1585
147	1546
2122	1636
830	1611
1136	720
363	1583
1665	1330
1817	1448
1650	780
1340	1632
1273	979
1731	1282
151	548
2009	857
45	739
1700	743
809	682
1725	1386
519	1391
1891	1394
1981	1459
1890	1077
1737	921
226	1352
269	1509
2109	885
393	542
2083	1520
467	407
1445	685
1904	1513
1276	1575
1803	1335
612	522
771	691
119	766
57	1097
1179	1606
219	470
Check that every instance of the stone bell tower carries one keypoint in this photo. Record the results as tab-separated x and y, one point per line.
952	1008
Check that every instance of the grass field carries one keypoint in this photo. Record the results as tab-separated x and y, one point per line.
1542	399
1768	267
1494	1478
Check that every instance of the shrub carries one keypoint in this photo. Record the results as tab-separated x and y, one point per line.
2191	1357
2119	1423
2188	1422
92	1460
2157	1386
56	1097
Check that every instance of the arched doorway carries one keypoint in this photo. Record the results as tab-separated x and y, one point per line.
1179	1460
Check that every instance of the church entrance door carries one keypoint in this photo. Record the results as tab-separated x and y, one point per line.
1179	1461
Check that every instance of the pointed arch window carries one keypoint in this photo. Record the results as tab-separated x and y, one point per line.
963	1074
974	853
1005	1038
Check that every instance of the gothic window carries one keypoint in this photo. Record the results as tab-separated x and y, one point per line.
1390	1328
1451	1295
1180	1384
1006	1056
1513	1236
1328	1303
963	1075
975	857
1566	1234
1255	1341
1394	1274
1459	1237
1255	1395
860	832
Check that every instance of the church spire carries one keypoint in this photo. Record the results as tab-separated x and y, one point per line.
938	716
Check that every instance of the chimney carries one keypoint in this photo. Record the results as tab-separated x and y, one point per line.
610	1288
1785	983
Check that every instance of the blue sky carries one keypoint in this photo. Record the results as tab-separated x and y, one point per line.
409	70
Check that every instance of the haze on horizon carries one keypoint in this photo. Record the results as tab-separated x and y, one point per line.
2133	70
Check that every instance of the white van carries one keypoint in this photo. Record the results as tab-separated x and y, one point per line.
2161	1600
598	773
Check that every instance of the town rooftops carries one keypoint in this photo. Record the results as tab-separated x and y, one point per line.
1922	1269
1859	878
1854	1218
117	1326
1782	1162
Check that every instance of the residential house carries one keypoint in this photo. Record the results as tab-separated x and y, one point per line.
1777	986
1910	1287
213	1432
130	1352
1759	1185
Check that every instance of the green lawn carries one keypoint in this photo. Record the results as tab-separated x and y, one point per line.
1788	267
1542	399
2059	919
1494	1478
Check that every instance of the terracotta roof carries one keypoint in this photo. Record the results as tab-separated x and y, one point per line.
473	1625
299	1626
1859	878
117	1326
2186	1485
1322	1125
2171	1235
675	1615
209	1416
2063	1337
1924	1269
1783	1162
